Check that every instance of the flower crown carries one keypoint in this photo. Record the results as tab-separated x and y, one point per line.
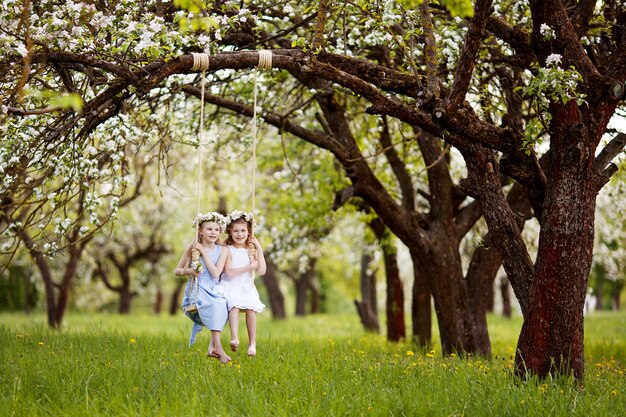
211	216
238	214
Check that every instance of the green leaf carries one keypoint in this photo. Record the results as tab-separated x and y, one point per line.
68	101
461	8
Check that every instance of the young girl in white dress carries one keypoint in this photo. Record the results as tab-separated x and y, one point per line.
245	260
208	297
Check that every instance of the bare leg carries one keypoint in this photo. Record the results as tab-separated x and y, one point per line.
215	347
233	322
251	326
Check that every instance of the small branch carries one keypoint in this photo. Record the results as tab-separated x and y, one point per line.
320	24
610	151
430	51
467	59
20	112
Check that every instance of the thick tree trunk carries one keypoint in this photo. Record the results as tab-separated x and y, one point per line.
276	297
394	300
480	277
125	293
421	314
314	298
366	308
125	301
158	301
551	341
449	289
599	293
394	304
301	297
74	254
616	302
303	283
176	295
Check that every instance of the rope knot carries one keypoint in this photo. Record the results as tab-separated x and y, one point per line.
265	59
200	61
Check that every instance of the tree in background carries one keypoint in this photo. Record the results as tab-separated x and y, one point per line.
126	260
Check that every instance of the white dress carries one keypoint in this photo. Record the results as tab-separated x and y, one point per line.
240	290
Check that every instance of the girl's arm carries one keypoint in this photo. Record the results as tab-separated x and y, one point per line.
262	268
232	272
221	262
183	268
213	269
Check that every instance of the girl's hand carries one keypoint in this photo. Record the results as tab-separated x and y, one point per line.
255	242
254	264
194	245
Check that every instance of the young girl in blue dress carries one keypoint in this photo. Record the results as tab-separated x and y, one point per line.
210	302
245	258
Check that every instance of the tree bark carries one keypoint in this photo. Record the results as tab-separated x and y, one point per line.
303	282
276	297
421	310
366	308
174	300
158	301
480	277
551	340
506	297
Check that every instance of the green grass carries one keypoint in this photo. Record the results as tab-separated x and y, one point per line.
103	365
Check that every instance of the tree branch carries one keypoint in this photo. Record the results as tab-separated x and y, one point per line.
398	167
430	51
467	58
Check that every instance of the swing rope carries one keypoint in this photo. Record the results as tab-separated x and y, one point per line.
200	62
265	62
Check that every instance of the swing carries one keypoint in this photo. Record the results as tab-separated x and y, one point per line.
201	62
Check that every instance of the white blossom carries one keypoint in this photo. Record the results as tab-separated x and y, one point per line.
21	49
547	32
553	60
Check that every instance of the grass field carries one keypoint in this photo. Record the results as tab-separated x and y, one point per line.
102	365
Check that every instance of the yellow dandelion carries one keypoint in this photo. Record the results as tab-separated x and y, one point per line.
133	341
614	393
40	343
522	402
409	353
430	354
453	355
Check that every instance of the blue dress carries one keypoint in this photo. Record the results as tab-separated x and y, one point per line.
211	302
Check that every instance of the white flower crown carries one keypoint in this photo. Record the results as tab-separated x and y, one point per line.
211	216
238	214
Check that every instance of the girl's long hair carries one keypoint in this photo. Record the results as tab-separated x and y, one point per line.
229	229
